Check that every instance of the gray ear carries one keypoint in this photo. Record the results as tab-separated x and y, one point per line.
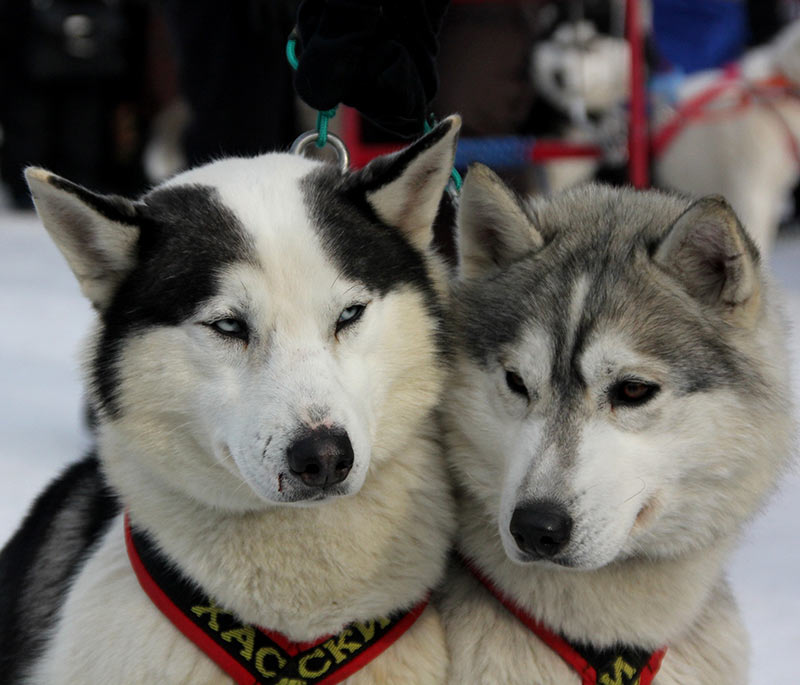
97	234
493	227
405	188
708	251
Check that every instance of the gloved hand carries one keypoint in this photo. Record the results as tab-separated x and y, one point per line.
377	56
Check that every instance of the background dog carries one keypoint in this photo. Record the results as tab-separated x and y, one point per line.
266	360
731	131
619	409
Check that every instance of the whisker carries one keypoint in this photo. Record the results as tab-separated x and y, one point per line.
636	494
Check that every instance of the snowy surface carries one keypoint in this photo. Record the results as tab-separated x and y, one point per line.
44	319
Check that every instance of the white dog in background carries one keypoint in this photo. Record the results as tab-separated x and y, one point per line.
743	144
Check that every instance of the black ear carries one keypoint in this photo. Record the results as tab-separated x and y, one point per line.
405	188
708	251
96	233
493	226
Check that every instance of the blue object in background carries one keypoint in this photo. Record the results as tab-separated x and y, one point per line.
497	151
691	35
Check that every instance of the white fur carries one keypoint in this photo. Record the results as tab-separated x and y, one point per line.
110	629
98	251
592	69
400	202
197	454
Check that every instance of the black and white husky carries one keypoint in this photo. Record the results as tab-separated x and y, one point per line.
619	408
268	353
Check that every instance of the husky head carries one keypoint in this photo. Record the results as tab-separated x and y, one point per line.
580	71
267	327
619	387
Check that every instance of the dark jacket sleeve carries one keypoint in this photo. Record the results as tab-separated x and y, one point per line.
378	56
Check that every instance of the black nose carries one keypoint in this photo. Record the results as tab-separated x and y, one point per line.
321	457
541	529
560	78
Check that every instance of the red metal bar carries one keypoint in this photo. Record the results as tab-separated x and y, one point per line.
548	150
360	152
638	143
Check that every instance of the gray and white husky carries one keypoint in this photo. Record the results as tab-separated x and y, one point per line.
619	409
268	354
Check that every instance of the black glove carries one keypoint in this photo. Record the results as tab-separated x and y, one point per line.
378	56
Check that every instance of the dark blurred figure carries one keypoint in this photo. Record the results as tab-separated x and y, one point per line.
71	73
378	56
233	72
767	17
484	67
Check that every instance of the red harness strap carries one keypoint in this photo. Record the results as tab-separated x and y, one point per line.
249	654
692	109
584	659
746	94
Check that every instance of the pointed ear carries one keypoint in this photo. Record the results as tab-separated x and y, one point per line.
708	251
97	234
405	188
493	227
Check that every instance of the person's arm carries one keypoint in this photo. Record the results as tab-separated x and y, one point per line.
378	56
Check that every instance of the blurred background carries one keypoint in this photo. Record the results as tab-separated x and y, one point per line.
694	95
699	96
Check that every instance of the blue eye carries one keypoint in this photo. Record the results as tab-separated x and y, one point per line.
231	328
349	316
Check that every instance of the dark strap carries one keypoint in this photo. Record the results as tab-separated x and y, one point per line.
617	665
249	654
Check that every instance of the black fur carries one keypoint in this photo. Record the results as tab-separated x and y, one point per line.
360	244
186	237
41	559
112	207
383	170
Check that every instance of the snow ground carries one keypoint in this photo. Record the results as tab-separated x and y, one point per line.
44	318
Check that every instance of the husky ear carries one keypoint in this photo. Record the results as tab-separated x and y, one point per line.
708	251
493	226
96	233
405	188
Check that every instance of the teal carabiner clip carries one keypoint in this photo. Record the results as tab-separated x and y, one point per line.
321	137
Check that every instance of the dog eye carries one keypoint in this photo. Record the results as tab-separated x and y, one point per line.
516	384
231	328
349	316
632	393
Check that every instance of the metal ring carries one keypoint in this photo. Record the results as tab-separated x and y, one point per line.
305	139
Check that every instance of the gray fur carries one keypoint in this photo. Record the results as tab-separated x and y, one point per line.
569	300
618	230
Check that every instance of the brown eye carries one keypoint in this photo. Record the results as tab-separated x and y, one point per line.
635	391
632	393
516	384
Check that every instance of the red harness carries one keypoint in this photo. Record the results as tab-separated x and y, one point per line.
249	654
616	666
740	94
